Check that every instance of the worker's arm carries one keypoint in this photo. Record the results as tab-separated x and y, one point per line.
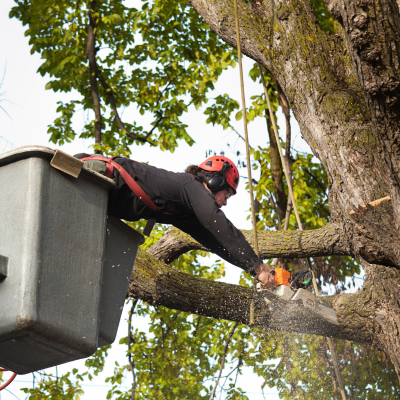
215	231
192	226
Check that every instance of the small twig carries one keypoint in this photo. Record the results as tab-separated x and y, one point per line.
169	327
154	127
9	391
4	75
336	366
152	381
316	180
1	94
240	136
223	358
130	360
91	56
234	369
286	353
238	369
273	373
197	326
271	200
175	372
164	334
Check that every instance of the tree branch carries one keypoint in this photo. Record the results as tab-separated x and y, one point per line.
121	125
276	170
91	56
94	74
156	283
290	244
286	112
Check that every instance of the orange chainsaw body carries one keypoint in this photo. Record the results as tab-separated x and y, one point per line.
282	277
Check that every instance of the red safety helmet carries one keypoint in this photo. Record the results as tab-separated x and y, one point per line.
223	166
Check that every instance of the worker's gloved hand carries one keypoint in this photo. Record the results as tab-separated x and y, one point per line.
265	277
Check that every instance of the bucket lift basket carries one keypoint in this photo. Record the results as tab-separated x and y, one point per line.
64	267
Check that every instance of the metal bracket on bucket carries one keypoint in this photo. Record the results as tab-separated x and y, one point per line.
3	268
66	163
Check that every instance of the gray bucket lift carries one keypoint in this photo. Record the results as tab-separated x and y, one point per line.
64	266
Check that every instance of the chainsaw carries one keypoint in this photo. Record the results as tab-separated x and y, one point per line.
292	288
300	279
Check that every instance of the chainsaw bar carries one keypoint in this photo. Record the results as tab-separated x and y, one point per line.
297	311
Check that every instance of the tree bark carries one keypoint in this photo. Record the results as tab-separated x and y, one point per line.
368	316
372	30
344	91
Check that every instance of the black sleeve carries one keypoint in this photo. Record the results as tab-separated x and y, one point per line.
212	229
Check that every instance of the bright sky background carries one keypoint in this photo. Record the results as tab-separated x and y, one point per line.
31	109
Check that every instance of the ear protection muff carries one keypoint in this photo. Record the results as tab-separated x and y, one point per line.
217	181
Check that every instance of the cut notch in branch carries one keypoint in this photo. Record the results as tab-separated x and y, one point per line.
375	203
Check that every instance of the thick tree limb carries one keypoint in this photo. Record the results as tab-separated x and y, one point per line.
290	244
156	283
371	227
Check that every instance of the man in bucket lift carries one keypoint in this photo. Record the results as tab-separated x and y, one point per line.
190	201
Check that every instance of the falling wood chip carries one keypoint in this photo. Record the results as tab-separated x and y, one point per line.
374	203
66	163
298	314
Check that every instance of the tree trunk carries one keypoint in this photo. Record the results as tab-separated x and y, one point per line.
372	30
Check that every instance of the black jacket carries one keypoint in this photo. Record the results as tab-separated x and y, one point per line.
189	206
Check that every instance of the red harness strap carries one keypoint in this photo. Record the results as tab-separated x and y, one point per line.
126	177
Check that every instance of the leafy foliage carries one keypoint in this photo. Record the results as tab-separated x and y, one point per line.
160	59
